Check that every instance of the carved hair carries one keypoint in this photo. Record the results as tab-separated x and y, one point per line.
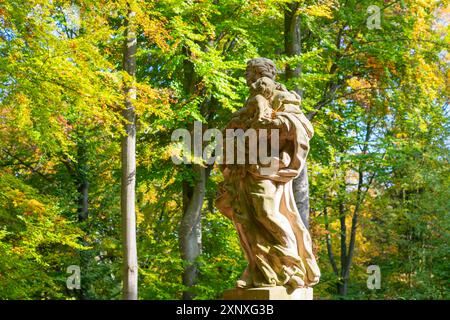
263	66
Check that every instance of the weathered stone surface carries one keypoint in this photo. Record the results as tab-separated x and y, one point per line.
270	293
258	197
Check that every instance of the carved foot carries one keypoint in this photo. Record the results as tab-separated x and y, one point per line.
245	281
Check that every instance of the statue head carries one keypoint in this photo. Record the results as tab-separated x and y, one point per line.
260	67
264	86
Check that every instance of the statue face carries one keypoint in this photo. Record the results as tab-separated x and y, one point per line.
251	76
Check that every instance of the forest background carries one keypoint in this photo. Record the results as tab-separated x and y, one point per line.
374	78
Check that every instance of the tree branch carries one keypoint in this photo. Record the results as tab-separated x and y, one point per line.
328	242
26	165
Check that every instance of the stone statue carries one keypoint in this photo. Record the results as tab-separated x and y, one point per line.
276	243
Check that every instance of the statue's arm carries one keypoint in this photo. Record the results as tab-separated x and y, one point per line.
268	122
259	104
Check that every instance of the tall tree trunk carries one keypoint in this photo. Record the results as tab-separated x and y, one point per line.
342	284
83	200
342	287
83	183
190	229
190	232
300	187
292	47
130	265
347	255
328	242
81	173
292	40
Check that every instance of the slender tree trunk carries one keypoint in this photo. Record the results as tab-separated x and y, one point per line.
292	40
191	230
300	187
83	200
81	173
347	255
328	242
292	47
130	265
342	287
83	183
342	284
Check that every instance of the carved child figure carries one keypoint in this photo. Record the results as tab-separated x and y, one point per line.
284	101
257	105
265	99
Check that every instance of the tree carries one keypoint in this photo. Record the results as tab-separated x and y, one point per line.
130	265
292	48
378	166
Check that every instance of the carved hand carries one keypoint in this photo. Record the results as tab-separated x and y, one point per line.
266	123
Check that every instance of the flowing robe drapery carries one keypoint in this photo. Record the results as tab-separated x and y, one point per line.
275	241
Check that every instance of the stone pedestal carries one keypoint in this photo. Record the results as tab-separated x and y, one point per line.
269	293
